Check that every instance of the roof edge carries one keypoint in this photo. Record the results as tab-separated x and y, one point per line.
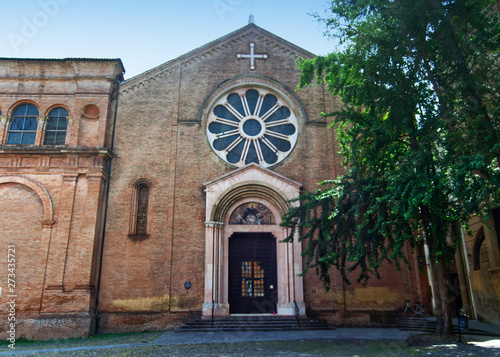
222	39
71	59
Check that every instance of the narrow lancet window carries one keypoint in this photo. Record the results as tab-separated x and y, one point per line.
142	210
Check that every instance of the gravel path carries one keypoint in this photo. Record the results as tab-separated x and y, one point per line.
144	345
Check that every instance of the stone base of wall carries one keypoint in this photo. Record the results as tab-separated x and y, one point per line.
46	327
49	326
353	318
118	322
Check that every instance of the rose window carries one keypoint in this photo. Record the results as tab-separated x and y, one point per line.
252	126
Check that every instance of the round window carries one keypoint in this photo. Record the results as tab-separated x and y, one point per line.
251	125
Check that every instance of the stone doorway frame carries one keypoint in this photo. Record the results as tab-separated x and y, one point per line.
251	183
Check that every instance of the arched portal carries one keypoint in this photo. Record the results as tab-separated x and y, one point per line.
245	263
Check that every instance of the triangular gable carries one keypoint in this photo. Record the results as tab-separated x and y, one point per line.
212	47
251	172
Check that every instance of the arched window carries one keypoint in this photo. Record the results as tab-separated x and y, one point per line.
140	208
23	128
57	125
479	250
496	219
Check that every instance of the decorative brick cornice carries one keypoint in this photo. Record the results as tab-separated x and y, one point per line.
229	44
144	79
41	150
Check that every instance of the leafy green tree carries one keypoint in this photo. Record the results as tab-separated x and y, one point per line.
419	130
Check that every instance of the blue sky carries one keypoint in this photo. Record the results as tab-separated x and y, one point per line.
147	33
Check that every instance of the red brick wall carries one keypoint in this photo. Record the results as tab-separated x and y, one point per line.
159	138
52	197
20	225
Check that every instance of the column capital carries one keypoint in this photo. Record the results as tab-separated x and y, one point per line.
70	176
214	224
48	223
4	119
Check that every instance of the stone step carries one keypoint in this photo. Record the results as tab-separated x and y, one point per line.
429	326
253	324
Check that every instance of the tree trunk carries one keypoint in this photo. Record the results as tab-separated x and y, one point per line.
439	278
443	308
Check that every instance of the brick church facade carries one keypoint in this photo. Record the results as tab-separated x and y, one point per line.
141	204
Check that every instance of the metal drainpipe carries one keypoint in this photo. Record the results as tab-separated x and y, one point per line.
98	288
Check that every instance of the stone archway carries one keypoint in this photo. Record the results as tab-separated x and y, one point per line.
250	184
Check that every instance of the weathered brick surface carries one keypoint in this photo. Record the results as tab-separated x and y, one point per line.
481	247
20	227
52	197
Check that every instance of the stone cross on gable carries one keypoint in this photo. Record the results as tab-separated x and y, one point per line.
252	56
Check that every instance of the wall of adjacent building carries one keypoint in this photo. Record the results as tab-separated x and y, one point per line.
483	266
52	196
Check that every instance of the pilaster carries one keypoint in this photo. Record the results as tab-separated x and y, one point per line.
4	127
40	129
214	254
59	245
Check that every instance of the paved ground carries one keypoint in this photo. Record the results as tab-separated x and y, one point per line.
170	338
473	324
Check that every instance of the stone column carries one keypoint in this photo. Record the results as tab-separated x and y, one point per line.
69	139
298	283
40	129
291	300
214	253
4	127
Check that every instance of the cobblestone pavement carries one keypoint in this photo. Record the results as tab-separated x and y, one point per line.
338	342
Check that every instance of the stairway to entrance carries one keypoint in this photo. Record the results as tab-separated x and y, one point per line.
427	325
254	324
